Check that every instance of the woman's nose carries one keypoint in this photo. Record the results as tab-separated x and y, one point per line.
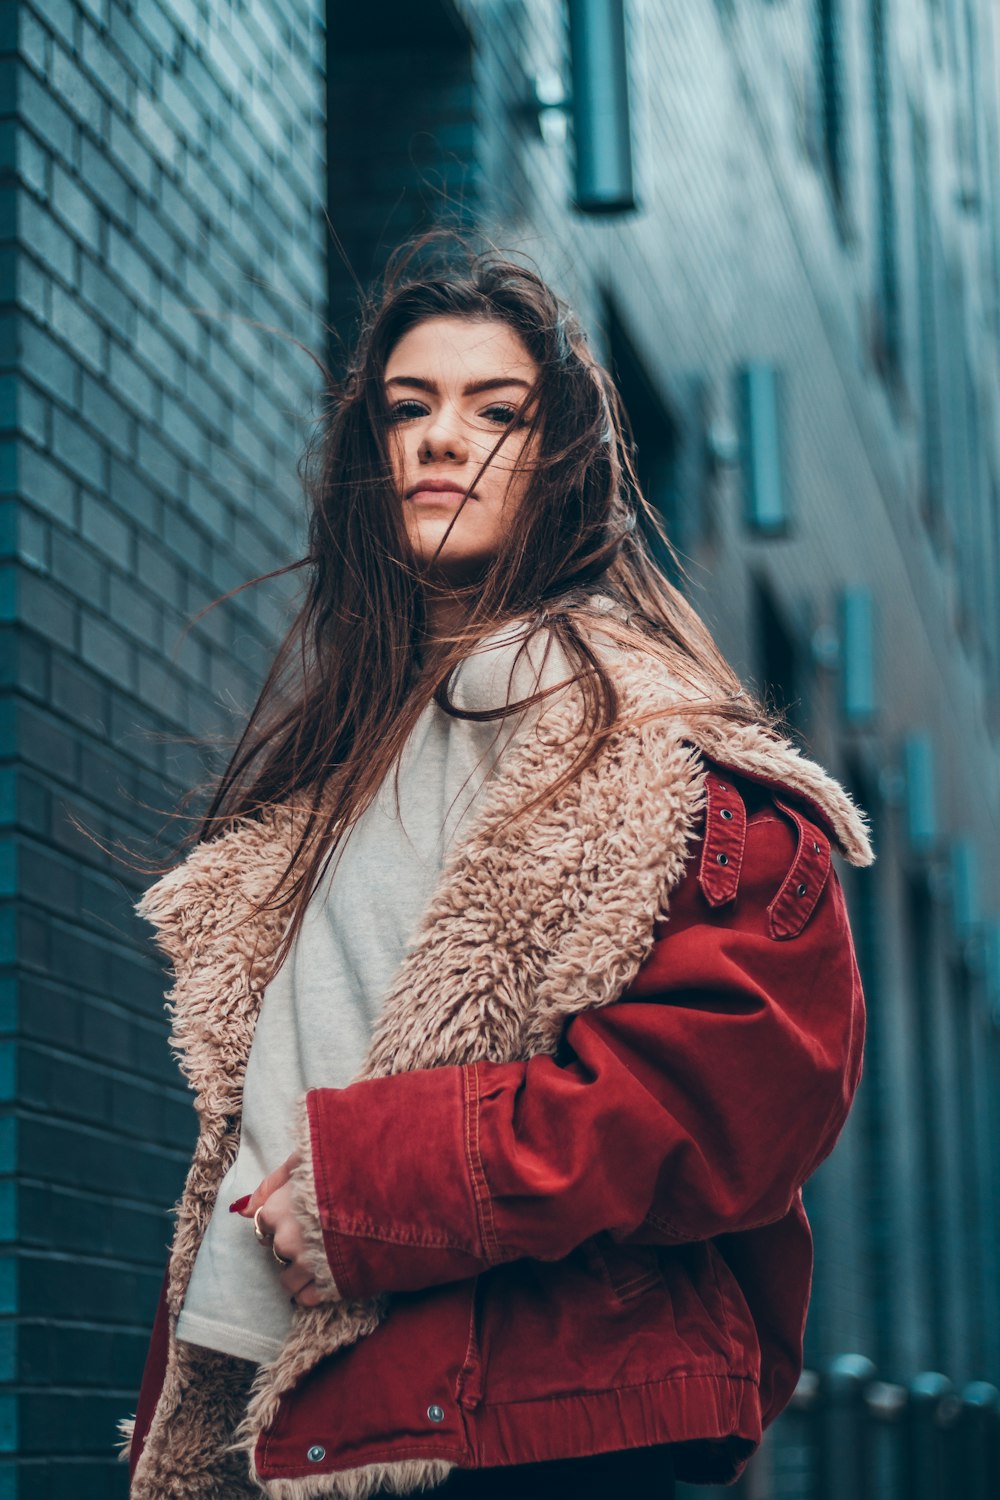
443	438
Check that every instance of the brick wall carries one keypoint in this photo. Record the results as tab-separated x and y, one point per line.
160	202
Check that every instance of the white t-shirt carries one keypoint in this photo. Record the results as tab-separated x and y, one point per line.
318	1012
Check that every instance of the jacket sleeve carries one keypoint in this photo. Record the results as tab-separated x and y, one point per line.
695	1105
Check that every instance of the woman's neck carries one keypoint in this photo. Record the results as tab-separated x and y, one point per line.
445	617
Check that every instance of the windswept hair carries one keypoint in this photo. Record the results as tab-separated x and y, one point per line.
352	675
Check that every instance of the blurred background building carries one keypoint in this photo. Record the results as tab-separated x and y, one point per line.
781	221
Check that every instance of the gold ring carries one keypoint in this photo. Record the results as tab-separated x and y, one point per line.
261	1236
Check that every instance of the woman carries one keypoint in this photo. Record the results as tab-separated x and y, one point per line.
512	974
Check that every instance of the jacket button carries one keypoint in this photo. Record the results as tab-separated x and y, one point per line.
316	1454
436	1413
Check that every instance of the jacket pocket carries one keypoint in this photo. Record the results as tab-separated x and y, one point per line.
628	1270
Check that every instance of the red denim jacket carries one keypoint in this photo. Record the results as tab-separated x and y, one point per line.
607	1247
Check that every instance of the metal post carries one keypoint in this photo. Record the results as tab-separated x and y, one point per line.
886	1405
932	1410
845	1449
978	1444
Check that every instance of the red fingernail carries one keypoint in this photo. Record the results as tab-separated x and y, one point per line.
239	1205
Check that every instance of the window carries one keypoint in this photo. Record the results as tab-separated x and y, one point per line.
887	340
401	138
858	699
780	667
932	480
761	404
832	116
657	437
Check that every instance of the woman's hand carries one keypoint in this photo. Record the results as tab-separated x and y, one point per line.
273	1197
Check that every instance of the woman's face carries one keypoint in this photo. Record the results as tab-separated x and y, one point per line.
452	385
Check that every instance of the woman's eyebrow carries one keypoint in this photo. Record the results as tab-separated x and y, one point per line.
417	382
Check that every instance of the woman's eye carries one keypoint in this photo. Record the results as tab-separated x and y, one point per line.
503	415
403	411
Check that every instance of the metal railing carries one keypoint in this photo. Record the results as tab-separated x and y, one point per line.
847	1435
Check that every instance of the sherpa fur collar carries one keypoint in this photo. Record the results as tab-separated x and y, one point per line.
529	925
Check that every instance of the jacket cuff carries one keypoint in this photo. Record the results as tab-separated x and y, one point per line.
399	1182
305	1205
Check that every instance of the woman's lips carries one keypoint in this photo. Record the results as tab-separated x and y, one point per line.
438	497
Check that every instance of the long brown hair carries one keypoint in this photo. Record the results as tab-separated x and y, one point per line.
351	676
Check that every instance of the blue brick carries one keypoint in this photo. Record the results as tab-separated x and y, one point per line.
131	267
72	87
33	539
132	156
78	329
160	464
102	62
106	299
105	530
59	16
132	384
33	164
47	485
47	609
33	414
43	361
79	569
47	240
45	115
77	449
105	182
131	497
106	415
133	612
131	46
163	35
76	209
34	290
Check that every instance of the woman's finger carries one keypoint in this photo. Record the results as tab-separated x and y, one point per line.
308	1295
249	1205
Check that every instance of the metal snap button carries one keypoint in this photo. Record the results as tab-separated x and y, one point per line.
436	1413
802	890
316	1453
723	859
726	813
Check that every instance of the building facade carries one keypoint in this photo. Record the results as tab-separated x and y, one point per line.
780	220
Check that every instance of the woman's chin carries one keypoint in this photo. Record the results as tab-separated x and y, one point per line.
453	571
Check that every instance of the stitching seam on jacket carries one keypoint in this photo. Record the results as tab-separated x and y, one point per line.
331	1239
480	1187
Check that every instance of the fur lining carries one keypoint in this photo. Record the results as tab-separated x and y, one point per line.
531	922
358	1484
305	1205
126	1430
